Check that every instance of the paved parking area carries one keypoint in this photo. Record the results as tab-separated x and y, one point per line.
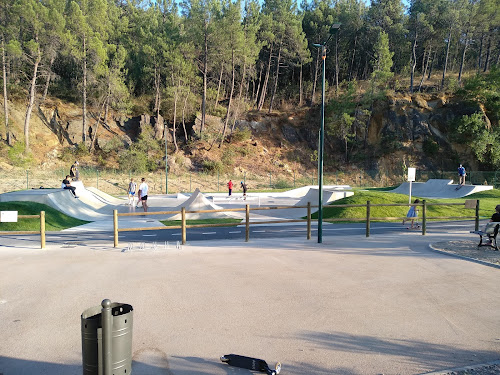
383	305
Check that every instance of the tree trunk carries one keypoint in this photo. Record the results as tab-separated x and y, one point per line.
432	65
236	113
230	100
205	73
256	92
183	117
300	88
218	86
49	76
352	59
480	54
446	59
337	69
463	57
413	62
275	80
5	104
424	70
266	79
315	78
31	102
84	114
488	51
94	133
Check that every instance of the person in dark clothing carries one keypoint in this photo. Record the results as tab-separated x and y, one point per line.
244	187
66	184
496	216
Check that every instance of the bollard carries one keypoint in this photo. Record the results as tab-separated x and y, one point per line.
107	339
42	229
476	224
368	209
308	220
183	225
247	223
424	217
115	228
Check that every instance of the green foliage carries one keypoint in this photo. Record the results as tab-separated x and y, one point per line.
18	157
133	160
430	147
240	135
228	156
281	184
382	61
212	166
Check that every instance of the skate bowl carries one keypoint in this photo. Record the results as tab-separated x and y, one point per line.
439	188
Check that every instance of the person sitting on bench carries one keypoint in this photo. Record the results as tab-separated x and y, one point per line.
495	218
66	184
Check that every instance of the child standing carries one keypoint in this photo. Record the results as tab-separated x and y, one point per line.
412	215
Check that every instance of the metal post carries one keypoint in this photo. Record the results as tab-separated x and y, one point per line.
321	149
368	209
42	229
247	223
294	179
183	225
245	177
424	217
97	183
166	158
27	180
115	228
217	181
476	225
190	190
308	220
107	337
270	182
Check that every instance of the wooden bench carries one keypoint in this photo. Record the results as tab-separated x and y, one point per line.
491	231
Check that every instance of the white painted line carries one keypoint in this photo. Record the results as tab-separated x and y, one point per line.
238	231
210	233
149	235
258	231
176	234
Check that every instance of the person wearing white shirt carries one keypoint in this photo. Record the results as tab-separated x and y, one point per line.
143	194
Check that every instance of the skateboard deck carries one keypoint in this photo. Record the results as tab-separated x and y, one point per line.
250	363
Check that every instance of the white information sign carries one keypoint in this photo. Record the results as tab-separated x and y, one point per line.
8	216
411	174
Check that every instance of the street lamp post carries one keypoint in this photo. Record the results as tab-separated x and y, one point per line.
335	27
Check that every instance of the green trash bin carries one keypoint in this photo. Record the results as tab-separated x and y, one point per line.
107	339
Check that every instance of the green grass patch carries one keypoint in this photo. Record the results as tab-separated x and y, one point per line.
488	200
172	223
54	220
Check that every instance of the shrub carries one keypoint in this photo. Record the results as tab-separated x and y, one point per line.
133	160
228	156
18	157
430	147
241	135
212	166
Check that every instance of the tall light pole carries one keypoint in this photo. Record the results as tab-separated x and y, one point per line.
335	27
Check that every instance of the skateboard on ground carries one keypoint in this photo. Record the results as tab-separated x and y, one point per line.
458	187
250	363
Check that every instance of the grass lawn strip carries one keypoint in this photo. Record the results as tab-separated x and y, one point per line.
54	220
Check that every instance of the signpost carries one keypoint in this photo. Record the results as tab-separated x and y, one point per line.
411	178
8	216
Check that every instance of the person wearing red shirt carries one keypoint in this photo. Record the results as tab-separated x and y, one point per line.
230	187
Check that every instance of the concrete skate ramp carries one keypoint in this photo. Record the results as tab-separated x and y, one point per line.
106	198
60	199
198	202
328	196
302	191
439	188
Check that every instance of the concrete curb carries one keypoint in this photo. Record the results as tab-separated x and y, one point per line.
484	263
466	368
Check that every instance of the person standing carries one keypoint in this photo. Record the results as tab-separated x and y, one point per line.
66	184
143	194
230	187
73	169
461	175
244	187
132	189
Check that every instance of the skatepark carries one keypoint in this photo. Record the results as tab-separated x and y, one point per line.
387	304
